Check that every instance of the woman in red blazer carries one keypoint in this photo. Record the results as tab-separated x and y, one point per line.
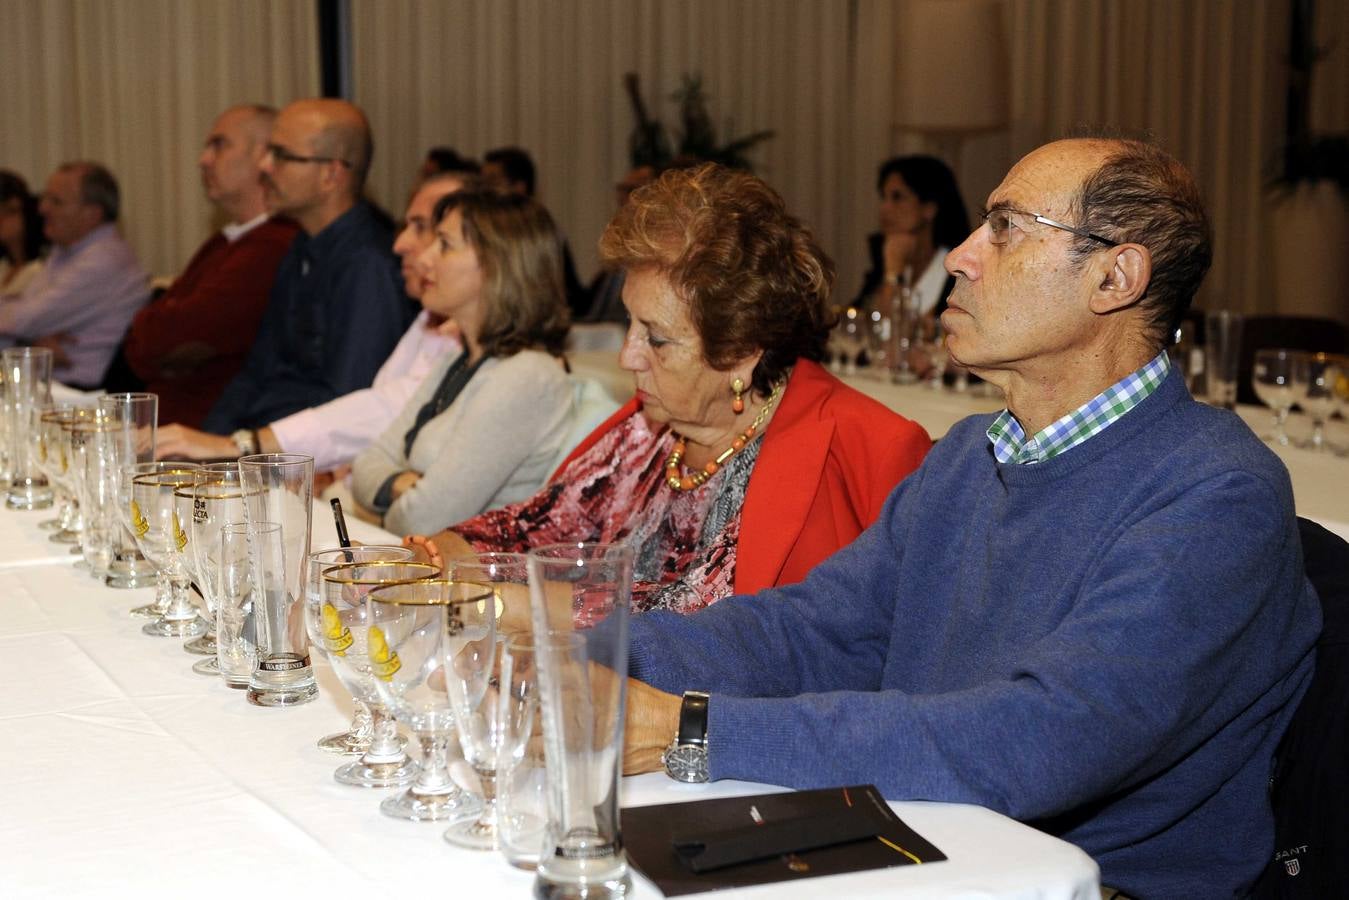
740	463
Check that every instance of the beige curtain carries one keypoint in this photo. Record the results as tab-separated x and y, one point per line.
135	84
1203	76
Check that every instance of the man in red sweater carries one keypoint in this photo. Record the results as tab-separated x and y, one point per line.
189	343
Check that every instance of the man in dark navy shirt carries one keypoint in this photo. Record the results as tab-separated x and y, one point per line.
337	307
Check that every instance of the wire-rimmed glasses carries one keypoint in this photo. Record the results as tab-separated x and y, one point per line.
1002	219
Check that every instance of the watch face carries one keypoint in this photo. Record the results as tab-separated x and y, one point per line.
686	762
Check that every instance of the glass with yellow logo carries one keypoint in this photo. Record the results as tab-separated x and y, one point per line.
422	627
54	461
159	534
355	659
204	509
326	628
124	481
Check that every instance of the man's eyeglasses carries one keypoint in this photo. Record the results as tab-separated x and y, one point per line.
282	155
1001	220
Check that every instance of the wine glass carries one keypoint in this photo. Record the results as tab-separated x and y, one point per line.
159	535
50	461
63	472
1272	378
850	334
344	587
125	476
1342	394
1314	378
204	508
423	628
323	630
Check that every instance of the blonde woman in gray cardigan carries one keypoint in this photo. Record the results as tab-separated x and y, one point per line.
487	426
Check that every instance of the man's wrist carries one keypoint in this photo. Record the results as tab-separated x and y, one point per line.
245	441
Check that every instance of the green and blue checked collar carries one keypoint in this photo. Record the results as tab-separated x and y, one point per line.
1088	420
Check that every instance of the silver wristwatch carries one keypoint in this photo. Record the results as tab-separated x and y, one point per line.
245	441
686	757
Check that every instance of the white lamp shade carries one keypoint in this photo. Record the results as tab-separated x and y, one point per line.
952	67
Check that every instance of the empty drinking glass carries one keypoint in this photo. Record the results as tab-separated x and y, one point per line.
136	416
1315	376
1272	378
384	763
236	632
326	629
434	634
160	536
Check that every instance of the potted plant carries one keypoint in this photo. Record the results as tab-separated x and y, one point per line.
1309	215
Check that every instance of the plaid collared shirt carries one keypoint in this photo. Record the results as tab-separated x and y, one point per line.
1091	418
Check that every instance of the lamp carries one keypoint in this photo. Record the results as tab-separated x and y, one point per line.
952	71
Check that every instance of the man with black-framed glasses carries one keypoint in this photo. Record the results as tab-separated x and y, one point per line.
337	307
1088	612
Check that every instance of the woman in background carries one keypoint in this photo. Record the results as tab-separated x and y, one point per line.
487	426
740	463
21	239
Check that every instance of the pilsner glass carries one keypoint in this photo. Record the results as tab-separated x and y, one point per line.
1272	378
422	636
521	778
582	690
356	739
136	416
94	468
160	536
236	652
279	487
205	507
28	376
344	588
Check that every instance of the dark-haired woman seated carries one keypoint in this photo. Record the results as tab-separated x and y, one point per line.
490	423
740	463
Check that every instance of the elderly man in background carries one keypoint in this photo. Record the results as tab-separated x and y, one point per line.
188	343
337	307
1088	612
339	429
83	299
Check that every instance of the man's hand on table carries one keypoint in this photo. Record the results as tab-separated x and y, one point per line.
181	442
653	719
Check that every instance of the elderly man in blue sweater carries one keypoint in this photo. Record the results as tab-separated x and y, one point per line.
1088	612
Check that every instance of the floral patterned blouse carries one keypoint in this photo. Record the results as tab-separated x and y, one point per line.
684	542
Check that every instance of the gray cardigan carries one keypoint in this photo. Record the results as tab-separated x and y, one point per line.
495	444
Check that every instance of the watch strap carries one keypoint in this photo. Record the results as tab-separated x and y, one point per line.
693	720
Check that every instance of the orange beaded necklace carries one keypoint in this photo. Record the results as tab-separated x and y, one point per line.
692	480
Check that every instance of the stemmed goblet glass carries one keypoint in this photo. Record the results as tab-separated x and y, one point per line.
49	460
125	477
1314	378
384	763
326	630
204	508
421	628
1272	378
160	536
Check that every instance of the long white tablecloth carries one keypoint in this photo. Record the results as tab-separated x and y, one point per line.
1320	480
125	774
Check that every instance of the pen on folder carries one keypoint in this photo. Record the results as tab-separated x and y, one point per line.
343	539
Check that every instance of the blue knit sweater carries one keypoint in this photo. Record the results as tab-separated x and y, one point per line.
1107	645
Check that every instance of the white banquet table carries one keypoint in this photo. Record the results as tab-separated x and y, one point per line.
127	774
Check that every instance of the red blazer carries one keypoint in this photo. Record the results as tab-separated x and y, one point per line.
830	457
